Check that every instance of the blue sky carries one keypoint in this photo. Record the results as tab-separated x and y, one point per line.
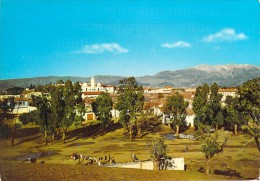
123	37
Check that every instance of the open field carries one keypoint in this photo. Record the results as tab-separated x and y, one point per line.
234	163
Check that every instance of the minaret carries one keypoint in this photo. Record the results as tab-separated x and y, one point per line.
92	83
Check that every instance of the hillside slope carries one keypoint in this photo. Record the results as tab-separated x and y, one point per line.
224	75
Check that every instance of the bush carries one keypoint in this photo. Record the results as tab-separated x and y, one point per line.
4	131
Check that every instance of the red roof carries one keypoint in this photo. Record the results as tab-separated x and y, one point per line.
228	90
21	99
92	93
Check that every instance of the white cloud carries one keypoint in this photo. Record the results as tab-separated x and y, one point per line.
178	44
102	48
225	35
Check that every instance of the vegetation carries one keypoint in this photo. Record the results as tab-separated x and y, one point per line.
207	106
43	117
214	106
14	90
102	108
210	148
249	106
26	118
7	106
233	118
141	121
59	112
157	150
199	105
64	107
130	102
176	108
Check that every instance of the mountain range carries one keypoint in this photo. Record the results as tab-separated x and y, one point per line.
225	75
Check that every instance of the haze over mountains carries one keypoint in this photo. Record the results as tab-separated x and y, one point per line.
224	75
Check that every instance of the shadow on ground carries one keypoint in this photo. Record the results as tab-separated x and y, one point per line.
229	172
27	134
92	131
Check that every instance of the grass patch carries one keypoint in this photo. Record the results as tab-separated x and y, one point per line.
91	140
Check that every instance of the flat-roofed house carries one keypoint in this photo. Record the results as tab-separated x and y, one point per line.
90	94
227	92
22	106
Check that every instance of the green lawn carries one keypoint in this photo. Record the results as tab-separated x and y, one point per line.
233	163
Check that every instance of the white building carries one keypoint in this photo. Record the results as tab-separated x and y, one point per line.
173	164
22	106
227	92
96	87
165	89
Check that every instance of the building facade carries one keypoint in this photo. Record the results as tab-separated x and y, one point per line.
96	87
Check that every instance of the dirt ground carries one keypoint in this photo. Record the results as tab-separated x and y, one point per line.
235	162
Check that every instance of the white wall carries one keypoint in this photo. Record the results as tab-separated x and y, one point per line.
190	120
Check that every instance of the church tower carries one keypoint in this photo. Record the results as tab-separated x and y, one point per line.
92	81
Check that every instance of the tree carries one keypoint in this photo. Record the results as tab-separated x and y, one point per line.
141	120
7	106
214	106
32	86
207	106
176	107
60	82
210	148
249	106
43	117
128	84
130	101
80	105
199	104
157	150
69	108
231	115
26	118
57	108
15	90
102	108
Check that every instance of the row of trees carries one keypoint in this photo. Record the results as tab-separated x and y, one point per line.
55	113
58	113
244	109
130	103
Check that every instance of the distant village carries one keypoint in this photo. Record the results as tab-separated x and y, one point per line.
155	99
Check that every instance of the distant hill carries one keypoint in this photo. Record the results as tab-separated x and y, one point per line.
26	82
224	75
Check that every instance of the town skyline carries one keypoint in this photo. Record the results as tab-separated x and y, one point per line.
124	38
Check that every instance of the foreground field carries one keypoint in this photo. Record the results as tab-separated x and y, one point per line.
235	162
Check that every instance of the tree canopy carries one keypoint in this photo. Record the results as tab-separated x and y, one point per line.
157	150
249	106
102	108
176	107
129	102
207	106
